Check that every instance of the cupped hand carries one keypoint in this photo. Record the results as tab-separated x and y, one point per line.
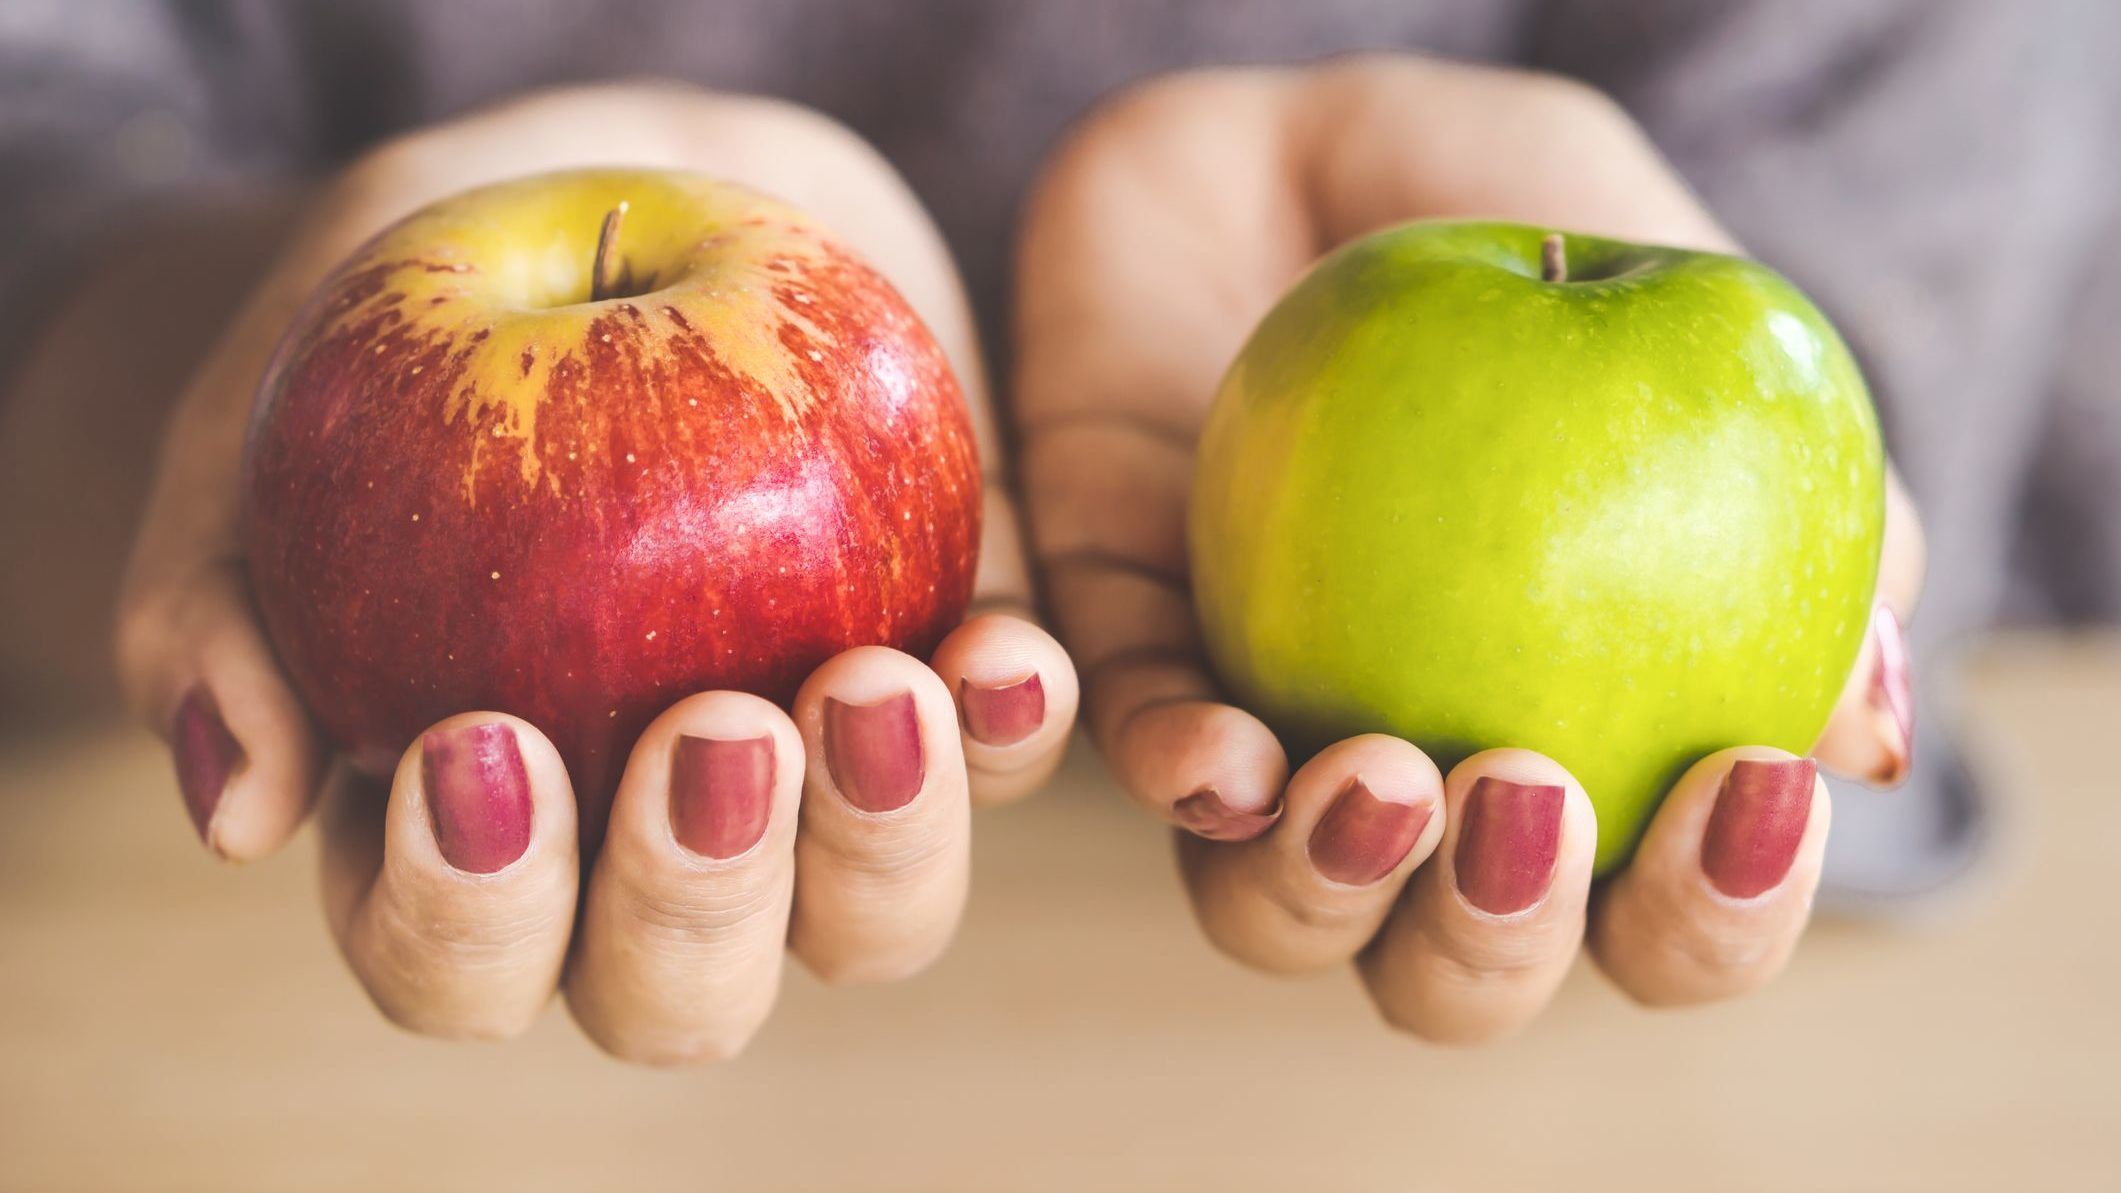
1161	231
837	828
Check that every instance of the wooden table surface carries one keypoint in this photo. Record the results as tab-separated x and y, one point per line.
168	1023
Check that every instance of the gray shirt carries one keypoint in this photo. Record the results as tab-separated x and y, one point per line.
1940	174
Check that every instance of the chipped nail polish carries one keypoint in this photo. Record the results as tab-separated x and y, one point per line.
1362	838
1204	814
478	795
206	754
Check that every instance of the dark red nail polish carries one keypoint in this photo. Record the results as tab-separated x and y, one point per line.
1893	690
478	794
1757	824
1204	814
206	754
721	793
1361	838
1004	715
874	752
1508	843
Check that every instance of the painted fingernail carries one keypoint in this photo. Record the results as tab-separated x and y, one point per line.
1204	814
1004	715
1362	838
721	793
478	794
1507	846
874	752
1757	824
206	754
1892	694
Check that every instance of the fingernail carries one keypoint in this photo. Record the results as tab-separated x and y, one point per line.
478	793
1892	694
721	792
1507	846
206	754
874	752
1362	838
1757	825
1204	814
1005	715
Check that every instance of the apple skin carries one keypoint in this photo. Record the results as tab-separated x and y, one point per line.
1625	519
468	487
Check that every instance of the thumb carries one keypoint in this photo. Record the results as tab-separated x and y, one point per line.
1871	735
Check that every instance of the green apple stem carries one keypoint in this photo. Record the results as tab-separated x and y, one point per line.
604	278
1553	259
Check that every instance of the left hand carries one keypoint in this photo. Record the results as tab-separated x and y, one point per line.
454	893
1162	230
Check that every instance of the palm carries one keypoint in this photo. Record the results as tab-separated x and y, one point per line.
1161	233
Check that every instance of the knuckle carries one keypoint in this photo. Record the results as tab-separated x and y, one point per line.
1486	955
1276	932
1318	916
695	913
442	944
881	861
1718	949
1676	957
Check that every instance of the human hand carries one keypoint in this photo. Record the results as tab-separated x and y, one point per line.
1162	230
837	828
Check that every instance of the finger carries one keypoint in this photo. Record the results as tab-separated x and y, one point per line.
1124	610
1358	818
1114	371
454	900
882	855
196	666
1486	931
1871	735
1212	769
1721	887
678	956
1016	696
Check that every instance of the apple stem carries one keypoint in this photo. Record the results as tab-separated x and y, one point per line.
603	280
1553	259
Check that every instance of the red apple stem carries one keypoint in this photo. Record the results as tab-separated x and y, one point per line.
604	278
1553	258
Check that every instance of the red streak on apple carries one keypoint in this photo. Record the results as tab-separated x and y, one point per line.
581	512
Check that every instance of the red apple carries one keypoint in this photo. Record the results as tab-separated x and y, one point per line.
477	478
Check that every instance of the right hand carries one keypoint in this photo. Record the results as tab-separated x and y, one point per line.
1161	232
677	953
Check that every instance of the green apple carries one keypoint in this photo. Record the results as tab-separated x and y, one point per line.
1481	484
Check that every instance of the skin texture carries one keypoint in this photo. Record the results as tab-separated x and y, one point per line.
1164	229
1624	519
469	486
665	927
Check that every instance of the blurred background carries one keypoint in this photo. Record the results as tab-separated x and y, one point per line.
1941	174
